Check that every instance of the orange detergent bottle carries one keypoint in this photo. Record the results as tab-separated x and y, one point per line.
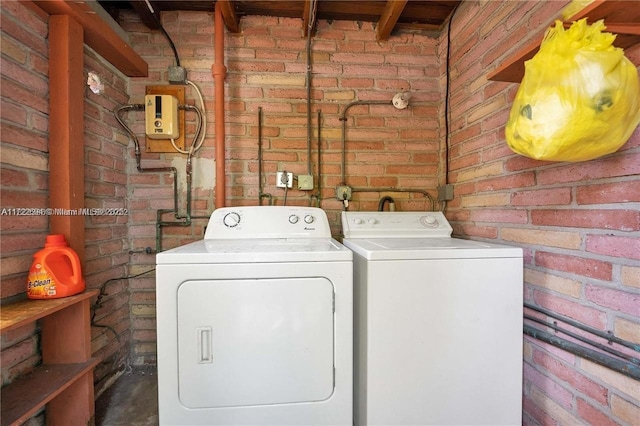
55	271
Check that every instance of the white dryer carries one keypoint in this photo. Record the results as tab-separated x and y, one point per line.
437	323
255	322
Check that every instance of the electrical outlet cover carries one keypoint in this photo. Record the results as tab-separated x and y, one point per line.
280	182
343	192
305	182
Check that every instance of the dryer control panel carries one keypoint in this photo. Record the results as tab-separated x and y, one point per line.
255	222
395	224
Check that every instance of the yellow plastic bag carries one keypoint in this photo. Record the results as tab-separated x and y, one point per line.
579	98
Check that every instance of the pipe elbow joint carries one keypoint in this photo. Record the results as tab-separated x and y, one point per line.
385	199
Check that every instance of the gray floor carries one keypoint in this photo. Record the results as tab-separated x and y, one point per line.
132	400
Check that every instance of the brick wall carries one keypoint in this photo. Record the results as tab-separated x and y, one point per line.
107	257
25	181
24	169
579	223
266	68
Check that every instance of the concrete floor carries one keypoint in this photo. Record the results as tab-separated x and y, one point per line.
132	400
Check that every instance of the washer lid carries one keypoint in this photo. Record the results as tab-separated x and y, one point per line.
257	251
427	248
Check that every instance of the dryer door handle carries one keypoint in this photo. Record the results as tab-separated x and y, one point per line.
205	345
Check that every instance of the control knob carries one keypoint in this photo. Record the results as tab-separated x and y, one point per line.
309	219
293	218
231	220
429	221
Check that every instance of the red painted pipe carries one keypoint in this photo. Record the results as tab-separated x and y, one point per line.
219	72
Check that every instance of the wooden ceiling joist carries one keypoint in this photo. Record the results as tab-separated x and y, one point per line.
389	17
99	36
151	18
229	16
307	15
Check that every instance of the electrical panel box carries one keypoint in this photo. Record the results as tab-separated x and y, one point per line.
165	145
161	116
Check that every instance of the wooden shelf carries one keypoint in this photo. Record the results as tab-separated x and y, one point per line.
620	17
27	311
64	382
25	396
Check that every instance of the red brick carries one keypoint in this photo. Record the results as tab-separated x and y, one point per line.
577	311
476	231
499	216
572	377
102	189
623	220
464	161
621	301
519	180
32	36
547	385
13	178
593	415
540	417
35	83
609	167
542	197
576	265
626	247
518	162
11	112
616	192
19	352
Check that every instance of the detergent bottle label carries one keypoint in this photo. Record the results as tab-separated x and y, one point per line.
40	283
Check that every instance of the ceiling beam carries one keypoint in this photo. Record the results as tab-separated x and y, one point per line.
229	16
150	18
307	15
99	36
389	17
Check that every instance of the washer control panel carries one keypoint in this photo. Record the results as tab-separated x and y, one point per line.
254	222
395	224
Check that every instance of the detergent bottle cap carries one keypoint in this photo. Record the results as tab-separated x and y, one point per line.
55	240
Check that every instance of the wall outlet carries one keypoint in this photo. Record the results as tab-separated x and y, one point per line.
284	180
305	182
343	192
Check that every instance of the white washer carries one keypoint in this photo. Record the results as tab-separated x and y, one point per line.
255	322
437	323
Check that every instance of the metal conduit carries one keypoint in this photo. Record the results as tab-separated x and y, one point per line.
409	190
261	194
343	118
181	220
607	336
138	156
622	367
319	195
583	339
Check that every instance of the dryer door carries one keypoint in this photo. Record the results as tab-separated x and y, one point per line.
255	341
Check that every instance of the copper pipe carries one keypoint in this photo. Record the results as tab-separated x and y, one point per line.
219	72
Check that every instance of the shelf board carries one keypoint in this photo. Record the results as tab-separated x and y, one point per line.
620	17
26	311
27	395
